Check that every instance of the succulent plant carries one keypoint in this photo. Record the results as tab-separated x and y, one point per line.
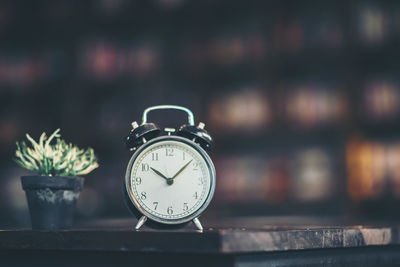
52	156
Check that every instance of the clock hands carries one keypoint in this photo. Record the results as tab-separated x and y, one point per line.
170	181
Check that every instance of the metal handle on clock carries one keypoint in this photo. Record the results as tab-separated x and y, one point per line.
188	111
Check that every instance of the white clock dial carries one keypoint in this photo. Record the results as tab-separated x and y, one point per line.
170	180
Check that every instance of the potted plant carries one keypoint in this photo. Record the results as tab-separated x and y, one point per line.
53	192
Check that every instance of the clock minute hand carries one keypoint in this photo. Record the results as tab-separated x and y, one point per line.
181	170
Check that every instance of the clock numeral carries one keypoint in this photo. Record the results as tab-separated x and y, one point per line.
169	152
195	166
185	206
169	210
154	156
138	180
145	167
183	156
155	205
143	195
195	196
201	181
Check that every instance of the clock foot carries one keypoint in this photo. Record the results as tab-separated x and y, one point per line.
140	223
197	223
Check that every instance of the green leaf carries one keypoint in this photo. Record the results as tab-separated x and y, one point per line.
54	158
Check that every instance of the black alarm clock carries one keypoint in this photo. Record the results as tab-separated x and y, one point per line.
170	178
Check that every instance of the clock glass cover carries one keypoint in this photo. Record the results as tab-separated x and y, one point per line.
170	180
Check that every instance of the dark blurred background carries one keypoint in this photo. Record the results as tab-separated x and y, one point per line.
301	97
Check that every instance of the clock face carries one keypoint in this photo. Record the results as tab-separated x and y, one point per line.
170	180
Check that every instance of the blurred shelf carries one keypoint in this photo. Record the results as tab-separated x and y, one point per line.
198	54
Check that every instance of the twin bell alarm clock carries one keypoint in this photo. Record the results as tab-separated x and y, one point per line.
170	179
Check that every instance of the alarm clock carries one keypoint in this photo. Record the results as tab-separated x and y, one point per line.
170	178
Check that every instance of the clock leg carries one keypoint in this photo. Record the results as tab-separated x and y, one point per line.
197	223
141	221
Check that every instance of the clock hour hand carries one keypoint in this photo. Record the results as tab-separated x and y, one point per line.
159	173
181	170
169	180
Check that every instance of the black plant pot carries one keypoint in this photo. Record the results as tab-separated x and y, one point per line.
52	200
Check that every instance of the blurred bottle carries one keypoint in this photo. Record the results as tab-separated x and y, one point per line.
366	168
312	175
381	100
372	24
311	105
247	110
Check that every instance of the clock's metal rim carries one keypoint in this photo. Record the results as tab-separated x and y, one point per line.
210	166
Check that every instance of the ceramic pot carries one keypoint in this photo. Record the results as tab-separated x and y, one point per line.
52	200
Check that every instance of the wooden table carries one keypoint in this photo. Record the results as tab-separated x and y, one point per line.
261	241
